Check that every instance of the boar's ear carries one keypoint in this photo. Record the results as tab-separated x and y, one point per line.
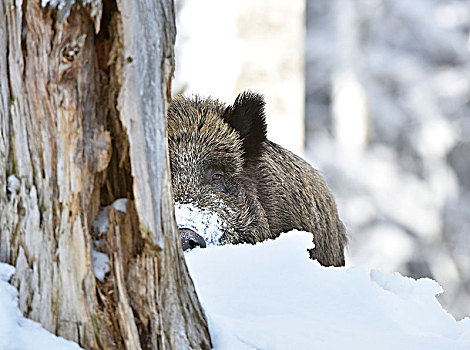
248	118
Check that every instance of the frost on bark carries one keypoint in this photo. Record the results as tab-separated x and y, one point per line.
83	94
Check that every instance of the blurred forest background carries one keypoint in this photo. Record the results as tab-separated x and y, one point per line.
375	94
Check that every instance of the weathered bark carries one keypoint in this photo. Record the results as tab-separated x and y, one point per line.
83	94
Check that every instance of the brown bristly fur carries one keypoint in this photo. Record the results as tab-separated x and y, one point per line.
266	189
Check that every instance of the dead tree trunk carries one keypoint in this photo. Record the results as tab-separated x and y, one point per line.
83	93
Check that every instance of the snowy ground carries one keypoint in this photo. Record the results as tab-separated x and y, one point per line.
271	296
17	332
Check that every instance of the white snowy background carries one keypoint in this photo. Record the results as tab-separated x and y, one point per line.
403	180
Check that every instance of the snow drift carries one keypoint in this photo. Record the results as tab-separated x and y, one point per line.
272	296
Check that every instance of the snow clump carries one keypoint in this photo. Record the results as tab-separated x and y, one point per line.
100	225
204	222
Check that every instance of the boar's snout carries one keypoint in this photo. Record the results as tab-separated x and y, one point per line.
191	239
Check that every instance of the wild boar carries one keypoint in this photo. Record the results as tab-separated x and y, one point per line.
241	187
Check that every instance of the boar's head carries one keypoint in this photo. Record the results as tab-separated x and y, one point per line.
210	146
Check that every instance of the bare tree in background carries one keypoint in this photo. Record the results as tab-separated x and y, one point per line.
84	87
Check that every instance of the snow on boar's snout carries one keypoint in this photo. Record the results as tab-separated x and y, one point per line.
232	185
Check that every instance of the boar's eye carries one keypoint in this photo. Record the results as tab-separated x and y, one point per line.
217	178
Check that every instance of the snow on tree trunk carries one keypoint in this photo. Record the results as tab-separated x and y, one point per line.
83	94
